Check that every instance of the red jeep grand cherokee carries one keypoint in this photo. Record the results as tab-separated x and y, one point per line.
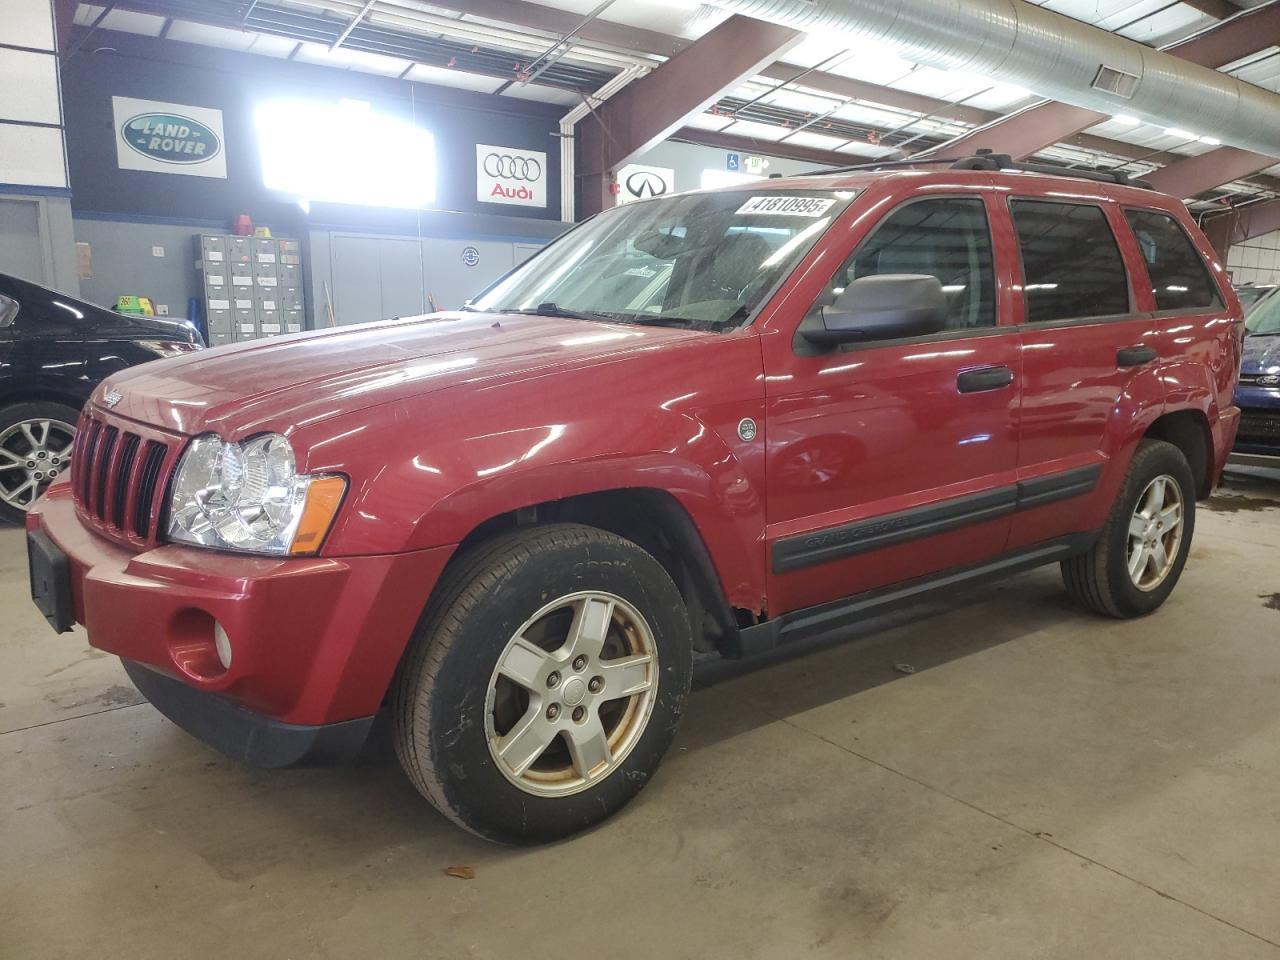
702	424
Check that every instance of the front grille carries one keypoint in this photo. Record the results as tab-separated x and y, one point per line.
1259	426
117	477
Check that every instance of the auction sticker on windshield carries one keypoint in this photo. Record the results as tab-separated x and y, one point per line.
787	206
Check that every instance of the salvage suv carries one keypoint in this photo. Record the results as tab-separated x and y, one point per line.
700	425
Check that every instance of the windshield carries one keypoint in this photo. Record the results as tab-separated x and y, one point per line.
1263	318
703	260
1251	295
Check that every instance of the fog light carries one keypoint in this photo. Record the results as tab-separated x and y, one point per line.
223	645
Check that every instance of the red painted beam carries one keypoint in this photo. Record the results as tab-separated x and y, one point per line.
647	111
1241	224
1023	133
1218	9
1192	175
1232	39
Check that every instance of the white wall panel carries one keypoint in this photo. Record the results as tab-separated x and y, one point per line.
27	23
29	92
31	156
1256	260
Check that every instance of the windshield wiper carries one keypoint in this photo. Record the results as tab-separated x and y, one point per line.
550	309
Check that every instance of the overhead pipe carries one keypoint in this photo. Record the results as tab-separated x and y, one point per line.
1016	42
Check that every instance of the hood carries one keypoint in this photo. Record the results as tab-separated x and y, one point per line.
305	378
1261	354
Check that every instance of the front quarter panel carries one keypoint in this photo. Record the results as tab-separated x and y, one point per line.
427	472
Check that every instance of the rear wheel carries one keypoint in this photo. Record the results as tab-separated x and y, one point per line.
35	448
545	683
1143	546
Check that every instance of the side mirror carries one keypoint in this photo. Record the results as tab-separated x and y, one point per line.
883	307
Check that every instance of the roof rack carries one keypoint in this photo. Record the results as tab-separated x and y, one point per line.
986	160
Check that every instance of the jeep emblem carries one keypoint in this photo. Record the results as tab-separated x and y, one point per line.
746	429
112	397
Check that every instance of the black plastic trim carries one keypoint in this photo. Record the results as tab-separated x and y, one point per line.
820	546
242	734
829	618
850	539
1058	486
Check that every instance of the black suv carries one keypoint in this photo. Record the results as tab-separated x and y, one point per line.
54	350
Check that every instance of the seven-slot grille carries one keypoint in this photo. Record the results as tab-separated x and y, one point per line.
118	476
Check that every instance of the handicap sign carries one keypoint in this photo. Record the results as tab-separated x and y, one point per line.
732	161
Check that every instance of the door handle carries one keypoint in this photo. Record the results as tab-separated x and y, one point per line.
1135	356
984	378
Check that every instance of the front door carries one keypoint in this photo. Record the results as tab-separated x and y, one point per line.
892	460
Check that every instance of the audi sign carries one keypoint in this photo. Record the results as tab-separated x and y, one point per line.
512	176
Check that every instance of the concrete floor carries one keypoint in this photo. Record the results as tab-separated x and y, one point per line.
1045	784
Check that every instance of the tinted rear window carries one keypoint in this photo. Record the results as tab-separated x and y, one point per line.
1071	265
1179	279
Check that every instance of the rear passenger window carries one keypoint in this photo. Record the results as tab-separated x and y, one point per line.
1179	279
943	237
1071	265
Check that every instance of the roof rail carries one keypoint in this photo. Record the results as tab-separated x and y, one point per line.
986	160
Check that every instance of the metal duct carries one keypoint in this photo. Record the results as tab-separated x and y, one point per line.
1057	57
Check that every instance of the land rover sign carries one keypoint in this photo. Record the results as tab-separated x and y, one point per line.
168	138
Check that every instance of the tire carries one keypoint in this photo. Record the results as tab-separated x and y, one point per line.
16	495
456	713
1100	579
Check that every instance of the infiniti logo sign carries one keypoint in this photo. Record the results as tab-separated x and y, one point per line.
644	183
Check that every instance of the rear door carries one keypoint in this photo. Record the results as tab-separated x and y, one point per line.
1089	353
885	460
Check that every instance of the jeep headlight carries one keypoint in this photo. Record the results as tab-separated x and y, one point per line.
249	496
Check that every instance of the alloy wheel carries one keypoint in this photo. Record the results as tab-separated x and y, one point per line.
1155	533
571	694
32	454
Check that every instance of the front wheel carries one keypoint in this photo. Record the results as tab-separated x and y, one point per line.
1143	546
35	447
545	683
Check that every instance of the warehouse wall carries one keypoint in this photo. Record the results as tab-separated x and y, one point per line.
1256	260
35	215
689	160
123	214
126	65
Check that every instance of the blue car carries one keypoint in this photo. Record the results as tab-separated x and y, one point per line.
1258	396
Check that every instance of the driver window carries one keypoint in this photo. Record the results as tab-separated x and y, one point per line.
944	237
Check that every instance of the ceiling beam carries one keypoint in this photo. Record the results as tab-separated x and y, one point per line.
550	20
1242	223
1245	33
355	22
1218	9
648	110
1023	133
1193	175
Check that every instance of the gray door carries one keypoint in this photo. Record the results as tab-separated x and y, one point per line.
21	242
357	280
401	263
456	270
